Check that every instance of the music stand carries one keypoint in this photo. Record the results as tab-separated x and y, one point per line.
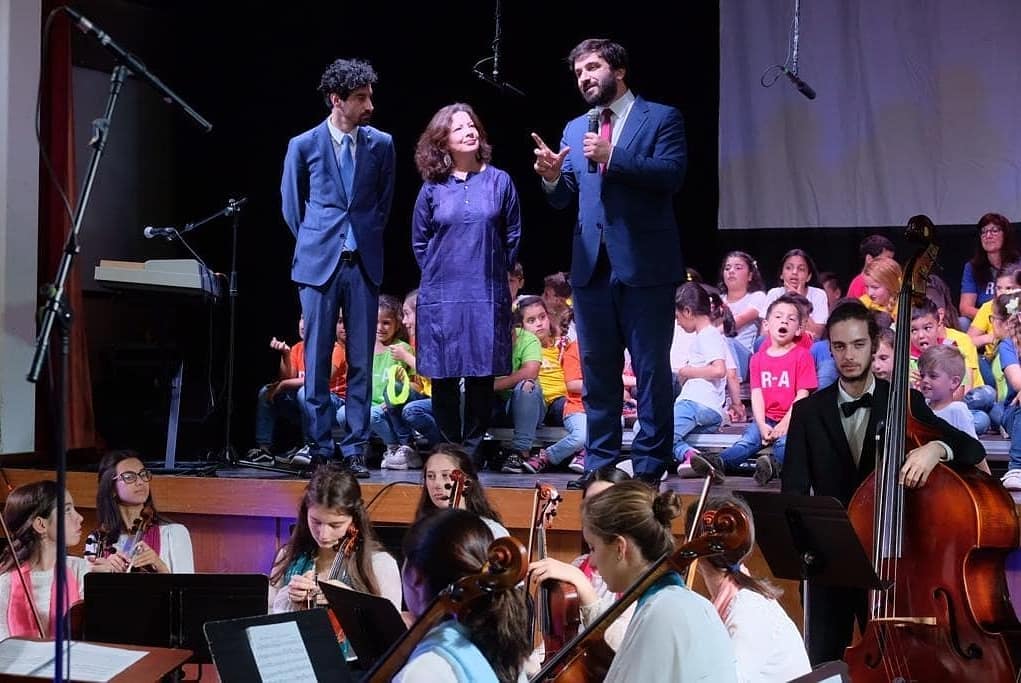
370	622
169	610
810	538
235	662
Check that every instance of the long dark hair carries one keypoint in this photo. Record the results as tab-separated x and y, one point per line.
23	505
451	544
108	512
337	490
755	283
474	495
731	560
431	155
980	265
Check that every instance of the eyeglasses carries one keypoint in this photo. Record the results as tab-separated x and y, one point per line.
132	477
990	230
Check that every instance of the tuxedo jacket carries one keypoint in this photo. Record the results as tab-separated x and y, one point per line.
818	459
630	206
315	203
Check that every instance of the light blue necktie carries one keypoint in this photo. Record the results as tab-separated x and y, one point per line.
347	176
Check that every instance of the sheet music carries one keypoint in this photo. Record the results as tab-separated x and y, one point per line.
88	662
280	653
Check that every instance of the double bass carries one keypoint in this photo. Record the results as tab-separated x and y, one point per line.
946	615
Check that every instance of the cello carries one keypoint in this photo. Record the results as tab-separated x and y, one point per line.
505	567
556	613
339	574
587	657
940	548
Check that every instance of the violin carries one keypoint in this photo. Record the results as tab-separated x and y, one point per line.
556	603
146	518
345	549
505	567
587	657
945	614
459	483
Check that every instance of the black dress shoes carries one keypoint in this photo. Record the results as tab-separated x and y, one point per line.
355	464
583	481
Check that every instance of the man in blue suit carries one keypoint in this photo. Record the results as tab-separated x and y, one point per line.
624	160
337	188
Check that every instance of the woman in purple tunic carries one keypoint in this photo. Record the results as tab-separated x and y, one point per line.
465	234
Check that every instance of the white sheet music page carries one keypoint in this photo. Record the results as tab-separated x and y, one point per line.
279	652
88	662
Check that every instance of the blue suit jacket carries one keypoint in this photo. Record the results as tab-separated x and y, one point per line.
630	207
315	204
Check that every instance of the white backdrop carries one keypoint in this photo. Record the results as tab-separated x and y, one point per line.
918	111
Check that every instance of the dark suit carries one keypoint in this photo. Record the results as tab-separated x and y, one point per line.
626	262
818	460
315	206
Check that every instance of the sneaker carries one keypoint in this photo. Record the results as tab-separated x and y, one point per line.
577	463
536	463
512	464
260	455
700	465
684	468
767	469
411	456
299	457
356	466
391	461
1012	480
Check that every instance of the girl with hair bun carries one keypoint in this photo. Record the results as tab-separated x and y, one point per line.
675	634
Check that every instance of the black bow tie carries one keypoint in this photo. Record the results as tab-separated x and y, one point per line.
863	401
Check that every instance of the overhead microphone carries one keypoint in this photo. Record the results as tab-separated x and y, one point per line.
151	232
593	127
802	87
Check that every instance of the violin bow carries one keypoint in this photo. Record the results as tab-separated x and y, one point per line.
21	576
713	476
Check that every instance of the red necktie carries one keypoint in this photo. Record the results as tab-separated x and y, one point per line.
606	131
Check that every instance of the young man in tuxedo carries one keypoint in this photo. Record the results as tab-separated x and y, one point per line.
336	190
831	450
624	161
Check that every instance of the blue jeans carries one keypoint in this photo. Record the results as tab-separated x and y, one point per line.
1011	421
524	410
388	423
825	366
419	414
980	401
749	444
692	418
576	425
742	356
287	405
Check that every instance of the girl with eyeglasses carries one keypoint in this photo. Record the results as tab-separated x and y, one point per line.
132	534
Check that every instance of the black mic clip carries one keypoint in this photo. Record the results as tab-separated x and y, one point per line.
234	205
802	87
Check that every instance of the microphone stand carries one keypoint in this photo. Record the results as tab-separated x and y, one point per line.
56	310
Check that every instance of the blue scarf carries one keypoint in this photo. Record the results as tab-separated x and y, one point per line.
300	565
668	579
449	640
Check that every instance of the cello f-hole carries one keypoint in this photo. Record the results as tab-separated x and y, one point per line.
972	650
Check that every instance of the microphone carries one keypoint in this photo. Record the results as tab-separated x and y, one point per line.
593	127
234	205
134	65
501	85
802	87
151	232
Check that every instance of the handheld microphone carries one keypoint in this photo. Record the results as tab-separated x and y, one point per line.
593	127
151	232
802	87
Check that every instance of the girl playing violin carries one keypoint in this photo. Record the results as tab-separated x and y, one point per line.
766	642
437	487
132	535
331	511
593	594
675	634
492	642
31	515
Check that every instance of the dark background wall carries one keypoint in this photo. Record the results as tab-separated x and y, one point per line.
254	73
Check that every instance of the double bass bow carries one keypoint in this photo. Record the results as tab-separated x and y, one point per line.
946	614
505	567
556	612
587	657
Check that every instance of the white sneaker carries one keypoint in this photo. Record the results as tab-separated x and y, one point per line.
409	456
392	460
1012	480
